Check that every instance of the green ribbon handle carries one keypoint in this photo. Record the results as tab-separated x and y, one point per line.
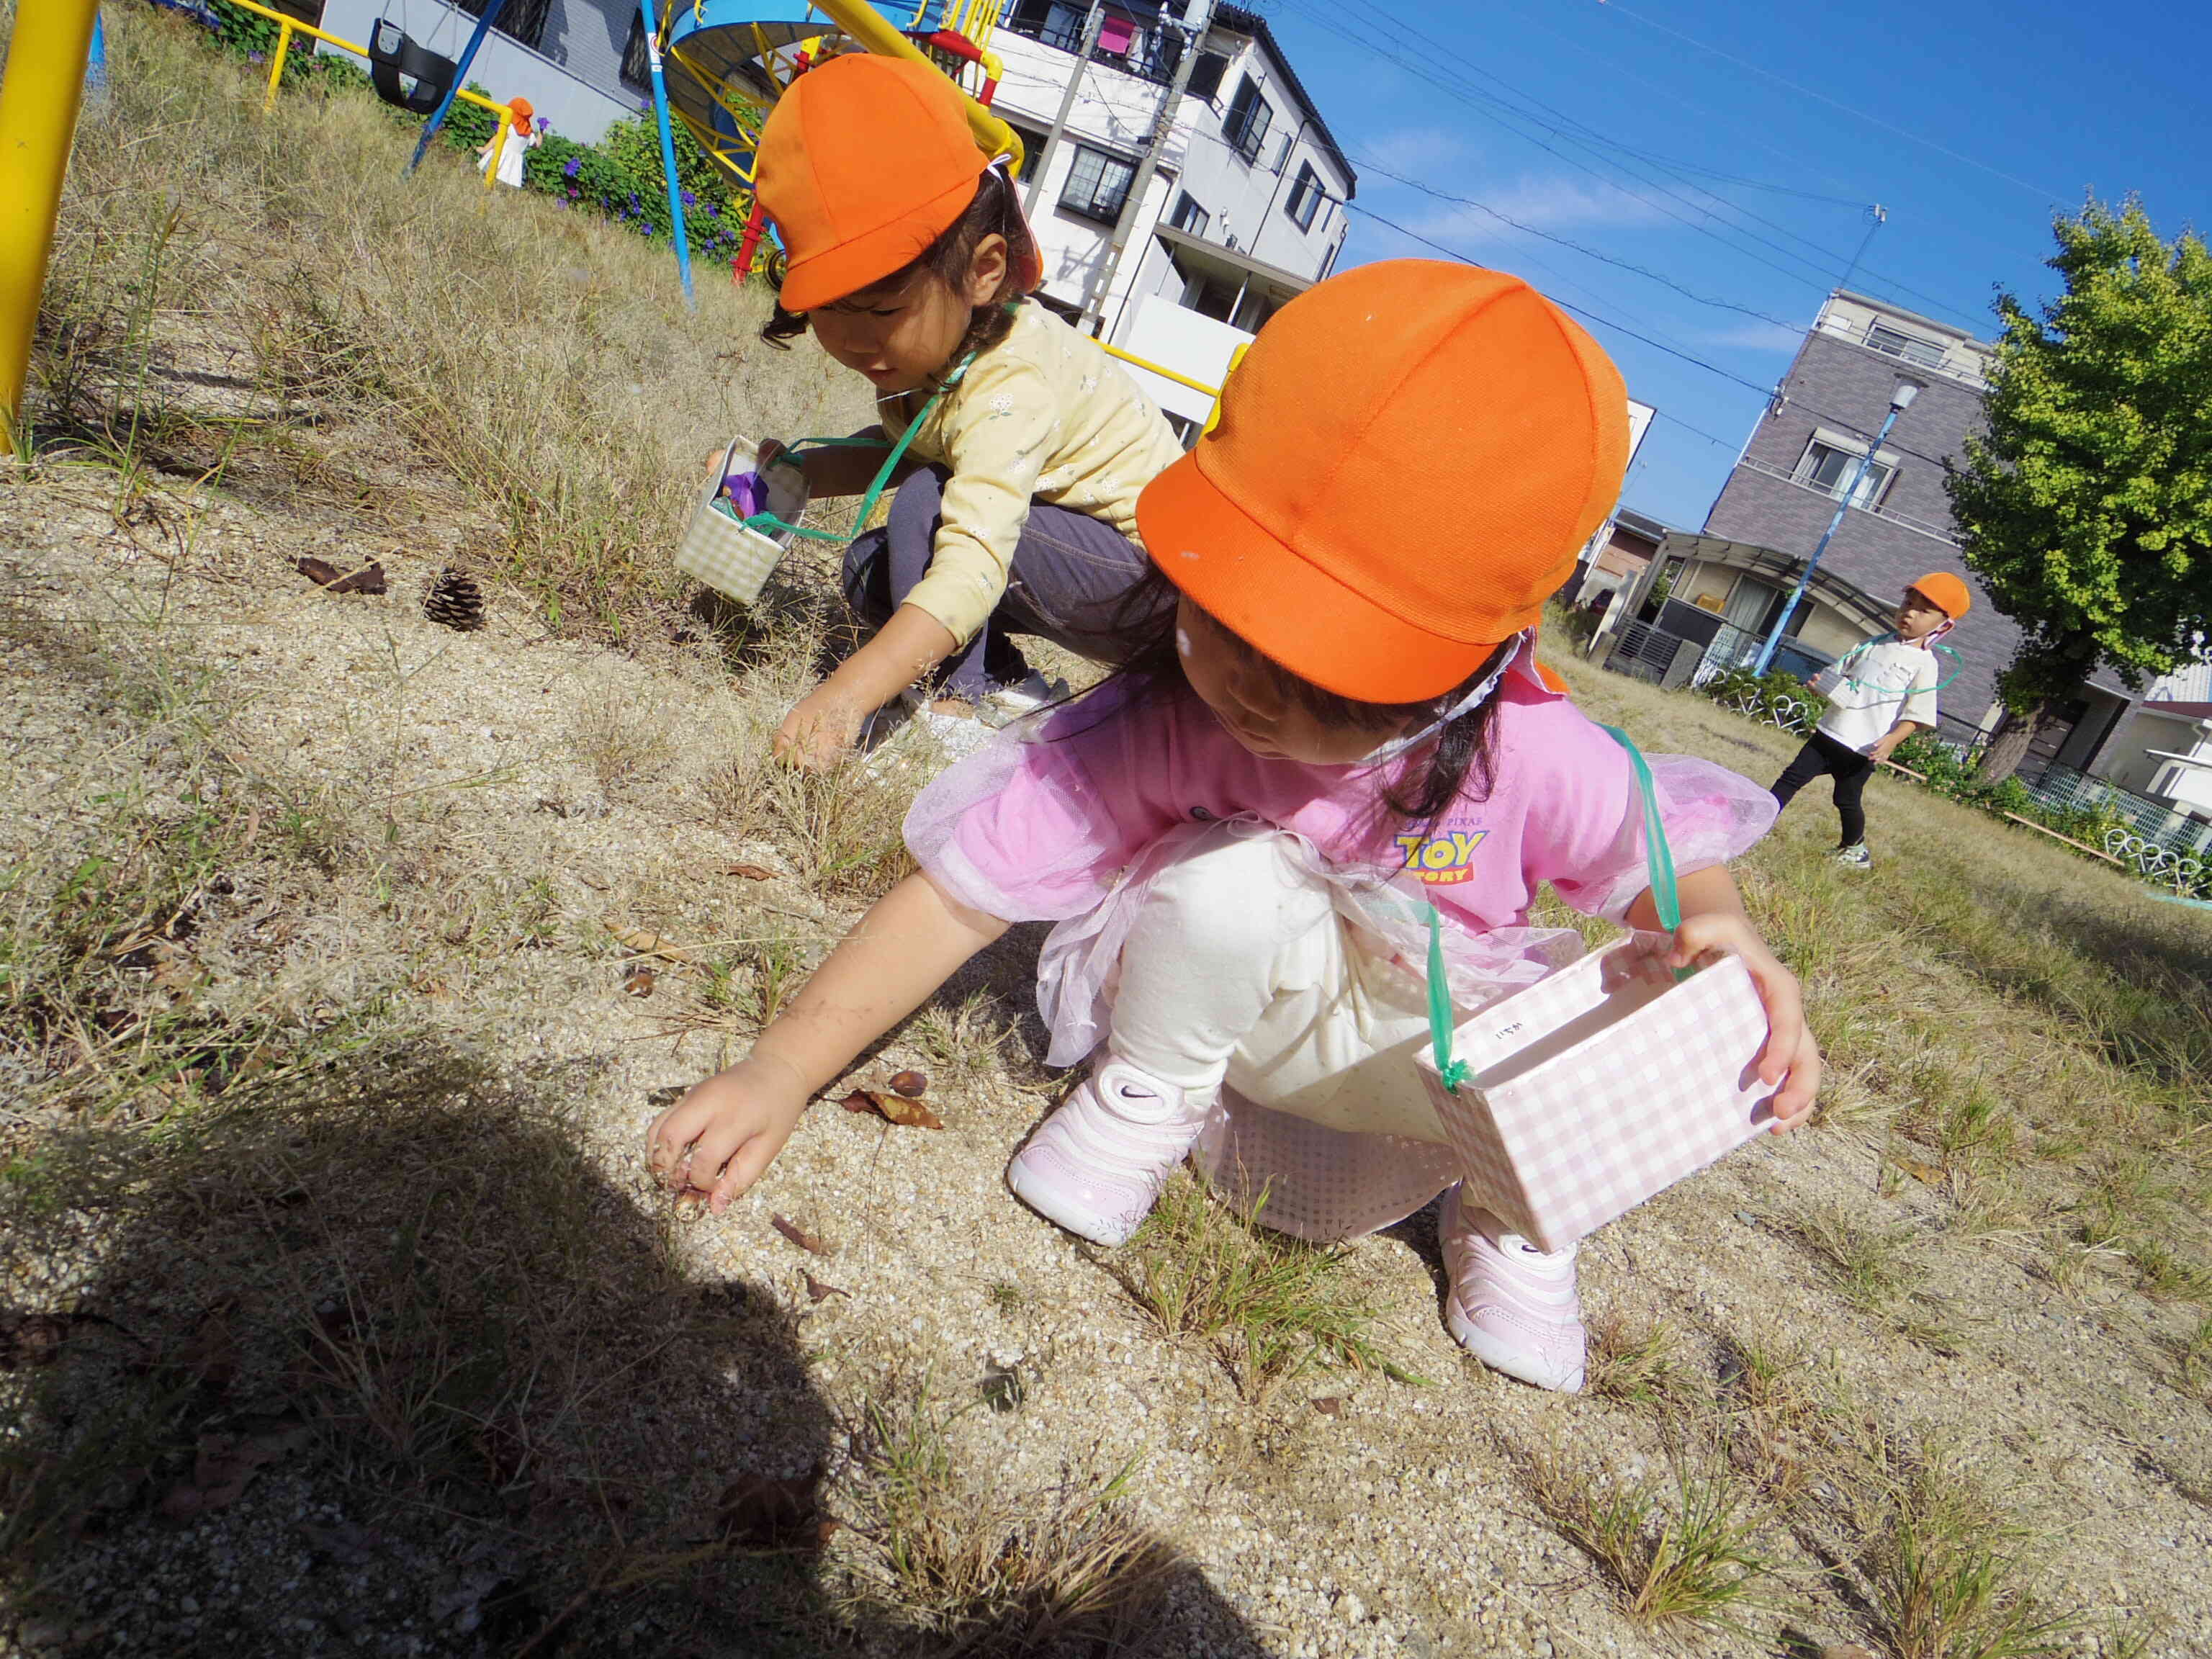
1666	898
768	521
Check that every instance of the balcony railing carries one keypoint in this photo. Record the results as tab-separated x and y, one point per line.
1152	54
1876	335
1879	510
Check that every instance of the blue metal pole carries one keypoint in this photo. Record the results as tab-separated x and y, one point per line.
668	154
1798	594
460	79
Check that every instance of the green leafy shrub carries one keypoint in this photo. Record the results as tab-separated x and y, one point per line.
620	177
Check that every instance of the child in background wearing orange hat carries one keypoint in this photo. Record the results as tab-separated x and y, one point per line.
907	257
1240	835
1879	695
521	139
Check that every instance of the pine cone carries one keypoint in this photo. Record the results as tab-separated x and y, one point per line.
453	601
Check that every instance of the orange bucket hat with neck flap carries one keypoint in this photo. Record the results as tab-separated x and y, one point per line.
863	163
1406	463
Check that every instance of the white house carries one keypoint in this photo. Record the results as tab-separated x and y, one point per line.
1244	211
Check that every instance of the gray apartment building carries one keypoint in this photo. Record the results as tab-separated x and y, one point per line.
1727	585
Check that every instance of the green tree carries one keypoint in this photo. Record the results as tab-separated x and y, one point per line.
2087	508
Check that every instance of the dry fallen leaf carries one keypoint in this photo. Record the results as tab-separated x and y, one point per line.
818	1292
369	579
761	1512
751	872
799	1236
1329	1405
647	943
913	1084
33	1338
638	982
226	1465
897	1109
1926	1174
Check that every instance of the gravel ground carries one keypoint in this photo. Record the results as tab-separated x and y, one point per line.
564	793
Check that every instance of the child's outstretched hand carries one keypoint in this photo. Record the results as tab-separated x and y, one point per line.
717	1139
1790	1058
821	729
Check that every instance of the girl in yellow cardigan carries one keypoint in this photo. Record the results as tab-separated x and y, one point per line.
909	259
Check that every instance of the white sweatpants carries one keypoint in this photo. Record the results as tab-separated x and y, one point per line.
1239	967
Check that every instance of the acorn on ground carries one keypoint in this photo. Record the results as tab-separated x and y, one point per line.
453	601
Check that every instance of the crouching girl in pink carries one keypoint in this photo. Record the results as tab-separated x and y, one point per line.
1240	836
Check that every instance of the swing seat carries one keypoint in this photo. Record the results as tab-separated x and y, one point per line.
391	55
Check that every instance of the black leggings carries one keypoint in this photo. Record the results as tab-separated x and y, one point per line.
1850	768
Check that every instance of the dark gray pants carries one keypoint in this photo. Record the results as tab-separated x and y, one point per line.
1071	574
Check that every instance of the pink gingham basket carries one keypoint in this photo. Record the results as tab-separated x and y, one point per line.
1575	1100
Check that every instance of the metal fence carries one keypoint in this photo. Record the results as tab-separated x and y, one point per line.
2159	841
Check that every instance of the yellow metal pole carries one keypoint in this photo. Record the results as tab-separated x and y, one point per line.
276	68
47	58
875	32
1163	373
498	147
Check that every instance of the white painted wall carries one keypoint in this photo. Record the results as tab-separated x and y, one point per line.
574	80
1165	332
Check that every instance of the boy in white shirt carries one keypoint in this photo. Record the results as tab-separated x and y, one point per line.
1879	695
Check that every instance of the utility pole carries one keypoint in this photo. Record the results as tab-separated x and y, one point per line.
1092	22
1196	22
1877	216
1899	401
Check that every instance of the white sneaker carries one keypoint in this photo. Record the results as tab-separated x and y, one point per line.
1855	856
1011	702
1097	1164
1511	1306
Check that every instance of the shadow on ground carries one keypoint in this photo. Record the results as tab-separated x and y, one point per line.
384	1363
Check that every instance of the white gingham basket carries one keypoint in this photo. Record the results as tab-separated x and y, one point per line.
1604	1083
1598	1086
721	550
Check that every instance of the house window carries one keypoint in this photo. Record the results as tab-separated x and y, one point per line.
520	20
1206	76
636	69
1049	21
1143	49
1828	467
1189	216
1896	343
1248	120
1097	185
1305	196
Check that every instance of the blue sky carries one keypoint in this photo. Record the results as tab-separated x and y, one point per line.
1969	121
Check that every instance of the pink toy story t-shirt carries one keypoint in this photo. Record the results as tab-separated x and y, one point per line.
1040	829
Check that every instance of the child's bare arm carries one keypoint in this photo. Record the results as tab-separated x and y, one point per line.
720	1137
1713	918
824	724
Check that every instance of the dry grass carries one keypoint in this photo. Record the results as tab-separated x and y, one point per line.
1679	1552
992	1570
1268	1305
270	302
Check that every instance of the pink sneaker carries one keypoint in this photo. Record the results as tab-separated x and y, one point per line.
1096	1165
1511	1306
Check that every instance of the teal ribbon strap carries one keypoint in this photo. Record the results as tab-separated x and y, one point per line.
1453	1071
768	521
1666	898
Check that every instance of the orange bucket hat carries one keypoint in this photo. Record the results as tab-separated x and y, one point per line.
1946	593
1408	460
863	163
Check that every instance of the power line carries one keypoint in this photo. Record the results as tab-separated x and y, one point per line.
2048	196
1824	270
1578	247
1477	99
1690	358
